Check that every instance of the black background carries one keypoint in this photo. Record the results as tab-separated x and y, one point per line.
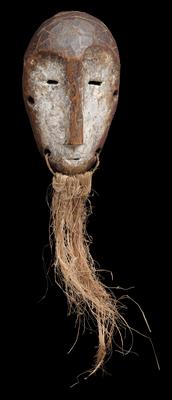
124	224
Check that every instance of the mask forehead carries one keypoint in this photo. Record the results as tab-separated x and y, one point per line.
70	34
70	83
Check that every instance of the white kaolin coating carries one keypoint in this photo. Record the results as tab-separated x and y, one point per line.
52	103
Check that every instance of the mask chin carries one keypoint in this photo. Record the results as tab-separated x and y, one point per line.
70	167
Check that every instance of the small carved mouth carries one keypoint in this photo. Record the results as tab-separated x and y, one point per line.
74	158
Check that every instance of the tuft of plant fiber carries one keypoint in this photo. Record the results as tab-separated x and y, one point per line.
74	266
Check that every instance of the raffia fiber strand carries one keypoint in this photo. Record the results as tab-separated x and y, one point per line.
73	263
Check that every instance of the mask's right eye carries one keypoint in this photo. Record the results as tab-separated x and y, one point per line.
96	83
52	82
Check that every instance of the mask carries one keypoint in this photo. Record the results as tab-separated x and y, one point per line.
70	87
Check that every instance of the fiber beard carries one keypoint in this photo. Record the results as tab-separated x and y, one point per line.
74	267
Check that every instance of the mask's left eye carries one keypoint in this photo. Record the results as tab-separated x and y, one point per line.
52	82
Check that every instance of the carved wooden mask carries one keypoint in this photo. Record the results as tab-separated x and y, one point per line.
70	85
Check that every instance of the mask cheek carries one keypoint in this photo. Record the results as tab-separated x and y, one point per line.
97	109
51	117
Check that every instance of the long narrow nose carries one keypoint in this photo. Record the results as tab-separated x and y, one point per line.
74	79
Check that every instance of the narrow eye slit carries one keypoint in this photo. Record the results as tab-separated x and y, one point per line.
115	93
96	83
30	100
52	82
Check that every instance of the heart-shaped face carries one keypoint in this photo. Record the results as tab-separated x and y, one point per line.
70	85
